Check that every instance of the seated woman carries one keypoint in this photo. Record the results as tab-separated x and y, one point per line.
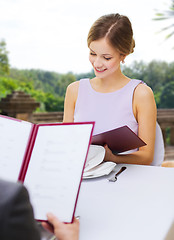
112	99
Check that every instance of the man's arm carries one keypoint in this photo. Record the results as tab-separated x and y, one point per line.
21	223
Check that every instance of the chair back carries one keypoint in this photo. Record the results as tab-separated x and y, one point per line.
159	147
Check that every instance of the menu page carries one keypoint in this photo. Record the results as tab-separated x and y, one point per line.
14	136
55	169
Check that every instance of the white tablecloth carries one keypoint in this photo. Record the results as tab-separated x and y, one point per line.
138	206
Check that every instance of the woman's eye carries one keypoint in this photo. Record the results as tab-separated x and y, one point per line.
107	58
92	54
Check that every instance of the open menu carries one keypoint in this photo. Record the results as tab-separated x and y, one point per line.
119	139
49	159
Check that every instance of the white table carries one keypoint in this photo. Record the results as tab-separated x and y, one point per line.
138	206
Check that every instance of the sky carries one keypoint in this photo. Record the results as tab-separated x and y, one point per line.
51	34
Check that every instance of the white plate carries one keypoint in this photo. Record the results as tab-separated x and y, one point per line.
101	170
95	156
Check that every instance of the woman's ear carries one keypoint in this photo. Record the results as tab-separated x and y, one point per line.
123	56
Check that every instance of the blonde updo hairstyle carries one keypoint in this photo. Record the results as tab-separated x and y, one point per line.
117	29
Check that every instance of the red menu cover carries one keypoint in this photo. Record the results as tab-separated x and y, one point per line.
48	159
119	139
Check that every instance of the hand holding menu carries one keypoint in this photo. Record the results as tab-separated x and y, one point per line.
49	159
119	139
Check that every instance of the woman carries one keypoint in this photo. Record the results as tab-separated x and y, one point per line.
111	99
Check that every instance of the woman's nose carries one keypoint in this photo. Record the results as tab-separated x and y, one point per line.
98	63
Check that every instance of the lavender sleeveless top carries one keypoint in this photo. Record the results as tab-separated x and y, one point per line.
112	110
108	110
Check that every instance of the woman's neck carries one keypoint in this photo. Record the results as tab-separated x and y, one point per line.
110	83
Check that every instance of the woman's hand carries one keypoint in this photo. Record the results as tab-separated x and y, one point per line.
109	156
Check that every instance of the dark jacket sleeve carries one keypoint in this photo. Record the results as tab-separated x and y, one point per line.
19	223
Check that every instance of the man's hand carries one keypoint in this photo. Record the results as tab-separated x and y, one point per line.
61	230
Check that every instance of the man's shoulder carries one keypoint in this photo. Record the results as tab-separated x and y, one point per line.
5	184
16	213
8	190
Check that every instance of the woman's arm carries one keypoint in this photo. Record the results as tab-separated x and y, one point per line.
70	101
144	108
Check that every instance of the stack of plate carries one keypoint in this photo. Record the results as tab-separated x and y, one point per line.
95	167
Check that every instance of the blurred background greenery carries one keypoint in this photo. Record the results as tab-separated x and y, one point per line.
49	88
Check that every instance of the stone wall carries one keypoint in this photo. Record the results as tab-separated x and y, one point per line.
46	117
165	118
18	105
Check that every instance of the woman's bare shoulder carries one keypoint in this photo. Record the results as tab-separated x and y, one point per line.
143	91
73	88
144	99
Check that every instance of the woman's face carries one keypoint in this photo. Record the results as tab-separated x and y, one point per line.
104	58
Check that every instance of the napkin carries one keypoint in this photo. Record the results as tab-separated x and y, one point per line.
95	167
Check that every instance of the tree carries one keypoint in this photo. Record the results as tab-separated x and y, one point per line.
135	70
53	103
63	82
4	62
167	96
85	75
155	74
169	77
166	15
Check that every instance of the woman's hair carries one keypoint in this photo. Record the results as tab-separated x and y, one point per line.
117	29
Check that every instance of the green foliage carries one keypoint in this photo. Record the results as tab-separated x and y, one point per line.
167	15
63	82
157	96
7	85
154	73
159	76
53	104
49	88
85	75
167	96
4	62
169	76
